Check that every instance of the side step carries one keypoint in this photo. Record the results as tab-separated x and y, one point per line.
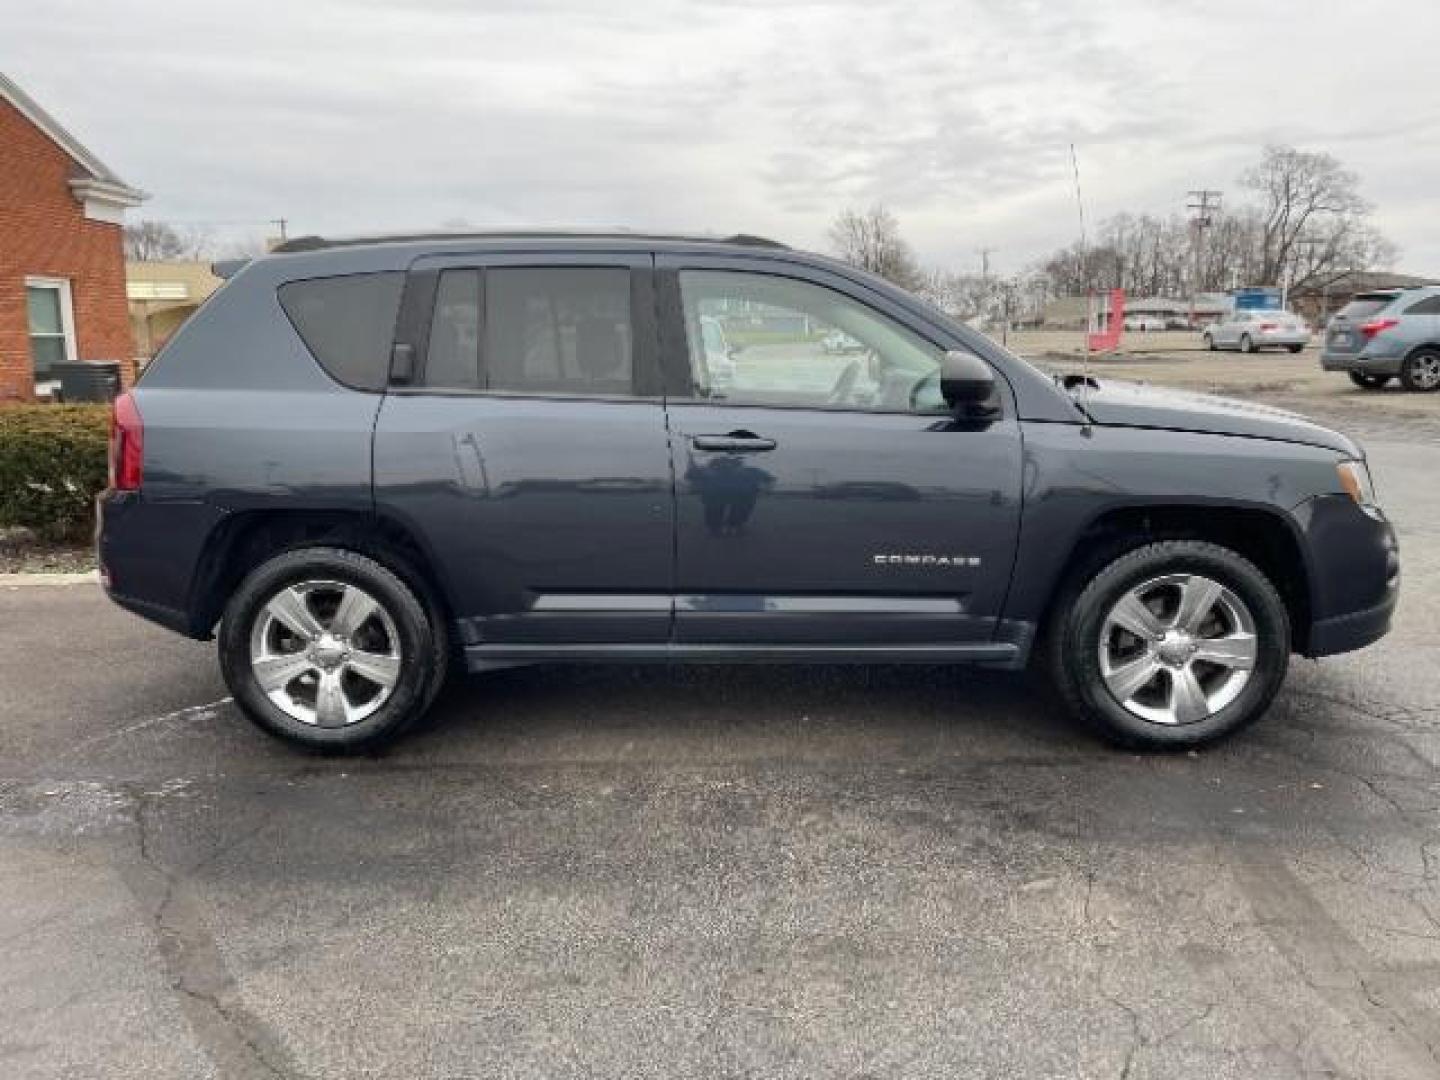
491	657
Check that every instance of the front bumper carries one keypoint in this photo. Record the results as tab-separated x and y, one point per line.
1354	565
1346	633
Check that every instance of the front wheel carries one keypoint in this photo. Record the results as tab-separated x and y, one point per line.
1421	371
1172	645
1247	345
329	649
1295	348
1369	382
1209	342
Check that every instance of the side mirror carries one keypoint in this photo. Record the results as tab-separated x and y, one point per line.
966	382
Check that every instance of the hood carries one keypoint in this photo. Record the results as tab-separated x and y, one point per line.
1125	404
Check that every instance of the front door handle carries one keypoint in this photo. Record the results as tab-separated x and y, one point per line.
737	442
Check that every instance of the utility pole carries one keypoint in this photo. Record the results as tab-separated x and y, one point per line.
280	224
985	253
986	306
1203	204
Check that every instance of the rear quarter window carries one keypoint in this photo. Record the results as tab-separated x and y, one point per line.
1430	305
1362	307
347	323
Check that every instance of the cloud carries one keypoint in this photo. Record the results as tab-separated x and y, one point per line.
765	116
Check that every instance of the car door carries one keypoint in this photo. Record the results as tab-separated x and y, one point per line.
1225	332
526	447
822	497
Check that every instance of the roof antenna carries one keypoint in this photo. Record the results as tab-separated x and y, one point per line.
1089	292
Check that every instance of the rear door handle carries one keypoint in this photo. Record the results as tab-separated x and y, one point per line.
737	442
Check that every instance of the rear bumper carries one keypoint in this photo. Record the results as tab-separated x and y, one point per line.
148	552
1359	362
169	618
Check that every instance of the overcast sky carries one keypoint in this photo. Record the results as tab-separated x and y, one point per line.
766	116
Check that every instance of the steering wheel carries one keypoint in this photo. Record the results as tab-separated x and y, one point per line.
845	383
920	384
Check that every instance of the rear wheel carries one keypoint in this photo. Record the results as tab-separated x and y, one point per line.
1421	371
1246	345
1369	382
1172	645
329	649
1295	348
1209	342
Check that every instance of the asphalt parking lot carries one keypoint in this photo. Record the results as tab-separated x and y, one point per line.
866	872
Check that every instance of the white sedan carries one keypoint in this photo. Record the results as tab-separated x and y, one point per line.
1249	331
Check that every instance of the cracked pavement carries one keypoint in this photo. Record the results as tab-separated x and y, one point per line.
869	872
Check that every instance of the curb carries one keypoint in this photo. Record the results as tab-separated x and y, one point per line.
20	581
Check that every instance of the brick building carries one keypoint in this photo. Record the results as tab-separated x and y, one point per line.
62	262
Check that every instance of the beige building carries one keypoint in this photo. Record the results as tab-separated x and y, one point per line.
162	295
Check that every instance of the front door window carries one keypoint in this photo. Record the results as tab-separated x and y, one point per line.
793	343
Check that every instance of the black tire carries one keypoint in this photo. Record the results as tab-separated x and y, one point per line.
1246	344
1075	642
1421	371
1369	382
421	645
1295	348
1209	342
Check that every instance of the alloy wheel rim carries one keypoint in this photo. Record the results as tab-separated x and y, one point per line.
326	653
1427	370
1177	649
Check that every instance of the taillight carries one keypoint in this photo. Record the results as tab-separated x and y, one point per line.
127	445
1377	326
1269	326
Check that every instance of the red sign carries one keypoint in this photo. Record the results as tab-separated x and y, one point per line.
1106	338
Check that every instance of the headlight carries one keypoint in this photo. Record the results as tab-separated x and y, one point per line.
1355	479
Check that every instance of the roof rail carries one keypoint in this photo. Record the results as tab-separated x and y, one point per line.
318	243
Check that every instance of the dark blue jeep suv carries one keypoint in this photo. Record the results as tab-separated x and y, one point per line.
365	462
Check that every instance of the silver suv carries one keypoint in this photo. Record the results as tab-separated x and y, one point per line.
1384	334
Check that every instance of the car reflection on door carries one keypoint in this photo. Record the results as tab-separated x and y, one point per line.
728	488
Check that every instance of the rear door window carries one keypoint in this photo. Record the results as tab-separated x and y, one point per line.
558	330
533	330
1429	306
453	360
347	323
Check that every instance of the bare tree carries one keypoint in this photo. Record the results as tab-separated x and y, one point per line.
1301	192
152	241
1309	225
961	296
871	240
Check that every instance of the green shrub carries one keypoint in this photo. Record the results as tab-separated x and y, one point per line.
52	465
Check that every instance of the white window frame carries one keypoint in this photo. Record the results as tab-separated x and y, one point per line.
67	325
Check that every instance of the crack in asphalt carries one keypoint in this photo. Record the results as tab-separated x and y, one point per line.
241	1046
201	711
1310	940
